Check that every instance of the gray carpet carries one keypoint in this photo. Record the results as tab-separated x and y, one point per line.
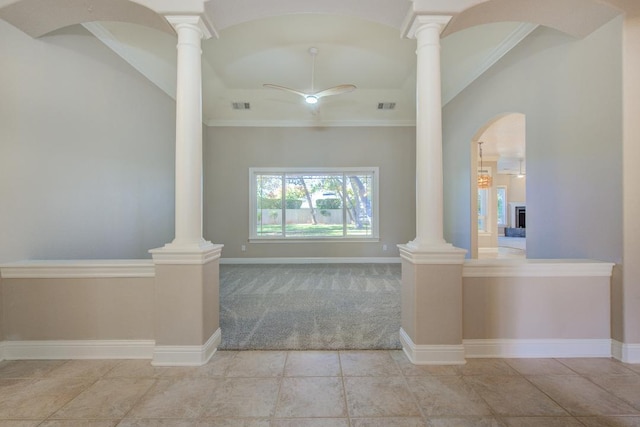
310	307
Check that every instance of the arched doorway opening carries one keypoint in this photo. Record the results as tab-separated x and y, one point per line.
498	202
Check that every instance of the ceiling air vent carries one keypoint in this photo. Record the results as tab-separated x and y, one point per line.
241	106
386	105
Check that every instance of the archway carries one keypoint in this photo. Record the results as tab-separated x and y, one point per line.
498	204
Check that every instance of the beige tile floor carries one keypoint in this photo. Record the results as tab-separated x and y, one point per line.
320	389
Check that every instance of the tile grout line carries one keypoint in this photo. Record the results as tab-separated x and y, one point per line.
578	374
344	389
272	418
413	395
48	417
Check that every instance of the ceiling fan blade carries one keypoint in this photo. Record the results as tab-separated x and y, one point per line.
286	89
336	90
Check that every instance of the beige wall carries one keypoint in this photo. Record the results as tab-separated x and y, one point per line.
1	313
570	92
536	308
86	151
230	152
430	300
560	307
187	303
78	309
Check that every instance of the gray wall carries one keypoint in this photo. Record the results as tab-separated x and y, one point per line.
570	91
230	152
86	151
1	313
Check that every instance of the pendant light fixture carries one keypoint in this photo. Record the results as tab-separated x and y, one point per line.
520	174
484	179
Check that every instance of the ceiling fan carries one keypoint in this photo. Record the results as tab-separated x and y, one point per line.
520	174
312	97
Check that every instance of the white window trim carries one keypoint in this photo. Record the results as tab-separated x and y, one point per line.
253	236
488	231
505	206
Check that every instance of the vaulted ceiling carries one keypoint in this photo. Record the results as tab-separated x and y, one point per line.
359	43
275	50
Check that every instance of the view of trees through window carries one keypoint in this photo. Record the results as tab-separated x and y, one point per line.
314	204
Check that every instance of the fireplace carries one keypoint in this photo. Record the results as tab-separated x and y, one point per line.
521	217
517	220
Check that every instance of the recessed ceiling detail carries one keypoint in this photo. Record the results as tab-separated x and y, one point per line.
371	56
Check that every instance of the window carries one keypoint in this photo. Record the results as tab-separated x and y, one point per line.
327	203
502	206
483	210
484	206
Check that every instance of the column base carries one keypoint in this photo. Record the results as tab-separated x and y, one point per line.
444	253
431	301
625	352
186	253
186	355
187	306
431	354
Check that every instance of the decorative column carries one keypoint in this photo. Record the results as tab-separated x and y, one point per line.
429	190
187	269
188	220
431	330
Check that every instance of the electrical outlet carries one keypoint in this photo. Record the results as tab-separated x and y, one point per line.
384	247
243	248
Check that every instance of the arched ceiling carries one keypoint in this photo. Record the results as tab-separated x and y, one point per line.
267	42
504	139
40	17
578	18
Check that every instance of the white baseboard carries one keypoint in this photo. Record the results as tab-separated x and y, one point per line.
627	353
313	260
431	354
186	355
82	349
542	348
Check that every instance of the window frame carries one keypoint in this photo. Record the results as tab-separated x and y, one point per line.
254	172
485	200
504	205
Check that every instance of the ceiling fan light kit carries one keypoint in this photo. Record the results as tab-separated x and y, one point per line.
313	97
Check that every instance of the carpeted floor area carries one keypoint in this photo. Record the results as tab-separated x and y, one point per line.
310	306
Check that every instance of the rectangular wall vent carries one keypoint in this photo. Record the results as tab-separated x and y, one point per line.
241	106
386	105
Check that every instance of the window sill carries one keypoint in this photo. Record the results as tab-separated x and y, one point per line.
316	240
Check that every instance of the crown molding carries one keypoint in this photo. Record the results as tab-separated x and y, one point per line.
310	123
